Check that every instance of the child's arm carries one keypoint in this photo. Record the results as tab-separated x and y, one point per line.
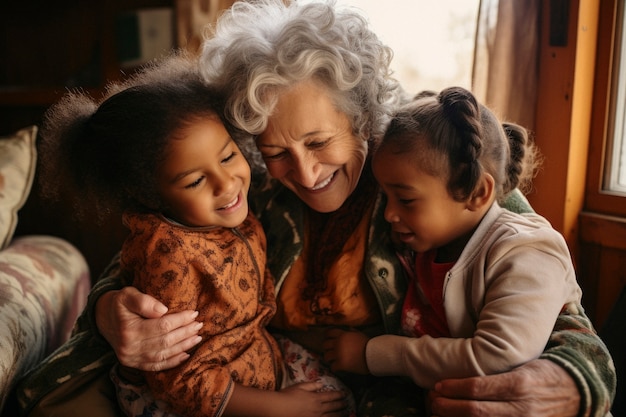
344	351
300	400
528	284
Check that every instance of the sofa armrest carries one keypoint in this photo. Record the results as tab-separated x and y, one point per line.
44	283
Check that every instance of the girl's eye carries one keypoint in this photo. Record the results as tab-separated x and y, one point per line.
229	157
406	201
195	183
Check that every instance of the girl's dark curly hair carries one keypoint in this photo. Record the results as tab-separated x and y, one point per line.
108	152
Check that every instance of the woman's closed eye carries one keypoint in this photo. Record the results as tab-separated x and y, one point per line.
318	144
274	157
314	146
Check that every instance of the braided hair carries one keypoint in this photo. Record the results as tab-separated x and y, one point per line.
451	135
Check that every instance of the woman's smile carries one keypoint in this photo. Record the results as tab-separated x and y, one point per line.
310	147
322	185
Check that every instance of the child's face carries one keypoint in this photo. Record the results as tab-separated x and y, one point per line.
422	213
205	178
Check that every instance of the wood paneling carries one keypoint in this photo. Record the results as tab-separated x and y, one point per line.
602	236
602	271
563	116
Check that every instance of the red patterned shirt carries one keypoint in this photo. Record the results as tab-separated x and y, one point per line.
422	311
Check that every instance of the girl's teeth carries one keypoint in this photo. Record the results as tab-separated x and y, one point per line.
232	203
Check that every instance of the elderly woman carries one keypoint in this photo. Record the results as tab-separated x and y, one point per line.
312	82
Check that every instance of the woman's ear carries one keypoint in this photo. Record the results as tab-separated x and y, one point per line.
483	194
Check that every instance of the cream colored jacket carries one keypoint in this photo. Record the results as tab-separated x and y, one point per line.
502	298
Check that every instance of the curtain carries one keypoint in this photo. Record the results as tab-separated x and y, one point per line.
506	56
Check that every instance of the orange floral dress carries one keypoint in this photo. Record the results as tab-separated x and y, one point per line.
219	272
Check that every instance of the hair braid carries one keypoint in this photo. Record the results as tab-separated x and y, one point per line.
523	158
461	109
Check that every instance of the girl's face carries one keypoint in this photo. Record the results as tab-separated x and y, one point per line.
420	209
310	148
205	179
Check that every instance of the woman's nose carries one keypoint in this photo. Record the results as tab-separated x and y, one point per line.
306	170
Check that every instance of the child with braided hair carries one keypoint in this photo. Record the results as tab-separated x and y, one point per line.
485	284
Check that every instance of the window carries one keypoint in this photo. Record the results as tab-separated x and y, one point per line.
615	173
433	42
605	191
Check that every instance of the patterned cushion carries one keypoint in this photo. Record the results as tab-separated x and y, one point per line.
18	158
44	282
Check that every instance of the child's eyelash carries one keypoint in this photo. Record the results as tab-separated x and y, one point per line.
231	156
195	183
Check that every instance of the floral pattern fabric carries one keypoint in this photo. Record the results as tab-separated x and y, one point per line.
18	159
44	283
300	366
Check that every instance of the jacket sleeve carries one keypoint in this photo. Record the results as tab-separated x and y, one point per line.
577	348
110	280
572	341
496	322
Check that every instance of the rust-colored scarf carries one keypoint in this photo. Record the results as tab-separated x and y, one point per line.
328	233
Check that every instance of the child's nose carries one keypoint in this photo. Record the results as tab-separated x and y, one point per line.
224	183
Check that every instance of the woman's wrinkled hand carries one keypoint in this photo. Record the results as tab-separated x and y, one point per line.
538	388
142	335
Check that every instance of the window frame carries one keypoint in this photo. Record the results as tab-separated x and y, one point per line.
597	199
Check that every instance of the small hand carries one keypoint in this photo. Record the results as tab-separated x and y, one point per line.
142	335
306	400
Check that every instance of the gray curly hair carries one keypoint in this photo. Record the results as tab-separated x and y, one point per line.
259	48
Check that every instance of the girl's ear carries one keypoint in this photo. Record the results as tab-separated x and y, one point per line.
483	194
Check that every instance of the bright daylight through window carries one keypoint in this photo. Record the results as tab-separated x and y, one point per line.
615	174
433	41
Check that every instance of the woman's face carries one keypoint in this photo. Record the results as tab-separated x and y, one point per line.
310	148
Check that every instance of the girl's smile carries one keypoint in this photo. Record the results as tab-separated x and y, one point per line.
205	178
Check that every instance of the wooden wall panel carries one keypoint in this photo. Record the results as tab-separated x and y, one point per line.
602	263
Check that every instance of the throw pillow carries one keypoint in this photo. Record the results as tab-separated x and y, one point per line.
18	159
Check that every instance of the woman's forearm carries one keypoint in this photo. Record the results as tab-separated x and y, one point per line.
575	346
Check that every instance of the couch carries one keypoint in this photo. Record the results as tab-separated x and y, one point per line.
44	279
